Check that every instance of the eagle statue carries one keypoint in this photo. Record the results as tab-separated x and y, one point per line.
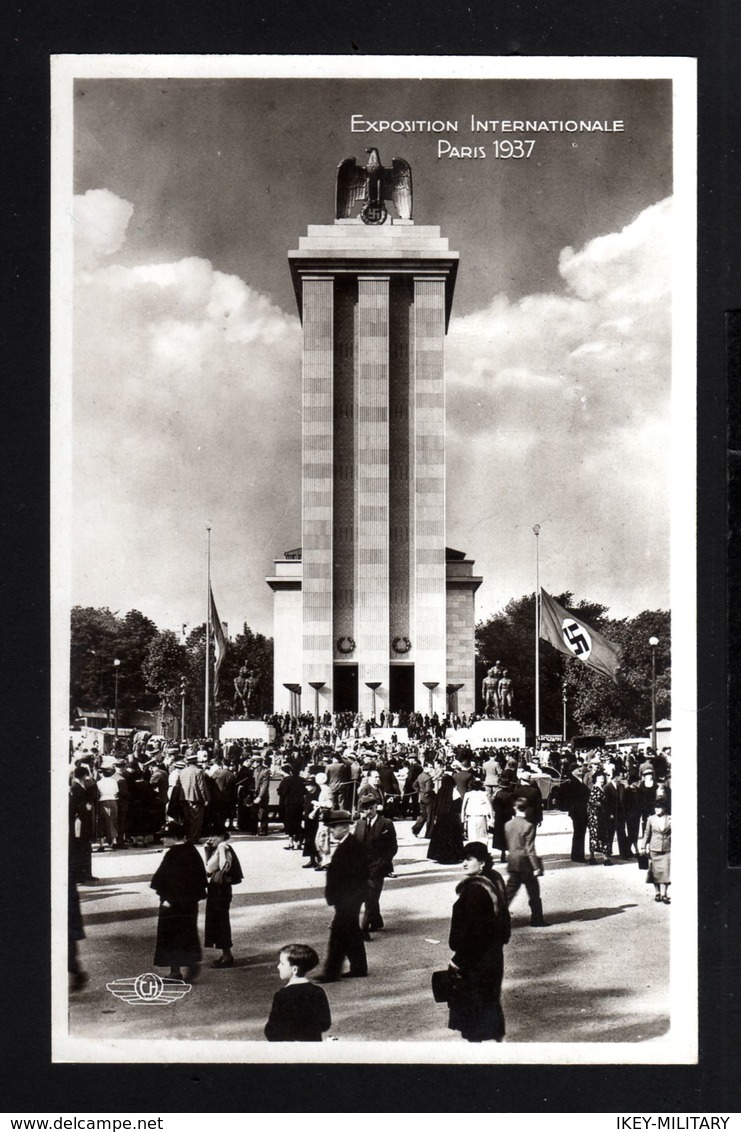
375	185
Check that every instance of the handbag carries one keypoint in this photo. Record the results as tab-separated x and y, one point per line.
445	985
642	861
440	982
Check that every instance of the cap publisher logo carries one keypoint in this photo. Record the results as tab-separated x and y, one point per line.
149	989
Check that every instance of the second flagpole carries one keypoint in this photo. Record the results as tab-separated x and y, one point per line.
536	532
208	633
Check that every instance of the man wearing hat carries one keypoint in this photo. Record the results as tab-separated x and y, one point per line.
195	796
645	794
107	803
339	778
574	797
372	791
346	890
377	835
123	801
523	864
531	794
262	793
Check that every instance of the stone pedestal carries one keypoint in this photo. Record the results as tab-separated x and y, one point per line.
253	730
495	733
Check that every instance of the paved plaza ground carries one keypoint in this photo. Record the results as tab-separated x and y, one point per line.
597	973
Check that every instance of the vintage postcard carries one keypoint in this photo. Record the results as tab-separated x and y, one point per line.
373	442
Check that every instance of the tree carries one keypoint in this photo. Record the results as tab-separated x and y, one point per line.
599	706
134	635
165	664
595	705
93	634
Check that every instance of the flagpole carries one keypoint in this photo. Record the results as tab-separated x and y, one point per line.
208	632
536	532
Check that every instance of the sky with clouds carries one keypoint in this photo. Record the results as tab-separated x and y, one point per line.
187	344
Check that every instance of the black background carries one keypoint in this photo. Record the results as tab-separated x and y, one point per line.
709	30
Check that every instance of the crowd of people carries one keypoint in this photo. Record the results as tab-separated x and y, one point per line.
337	802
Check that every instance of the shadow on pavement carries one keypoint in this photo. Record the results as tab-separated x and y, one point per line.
579	915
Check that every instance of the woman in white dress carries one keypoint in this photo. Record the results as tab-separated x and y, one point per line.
476	812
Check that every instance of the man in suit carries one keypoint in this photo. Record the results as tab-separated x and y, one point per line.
425	786
574	795
262	794
196	796
389	784
462	776
372	791
339	778
615	794
346	891
410	801
523	864
377	835
492	770
531	794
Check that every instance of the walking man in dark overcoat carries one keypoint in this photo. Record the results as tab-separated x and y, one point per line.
425	787
377	835
346	891
523	864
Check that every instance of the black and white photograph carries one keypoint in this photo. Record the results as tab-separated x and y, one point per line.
373	542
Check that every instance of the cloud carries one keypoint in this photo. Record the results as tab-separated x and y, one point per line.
558	411
186	409
101	219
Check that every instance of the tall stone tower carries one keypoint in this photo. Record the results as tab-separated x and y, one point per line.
371	612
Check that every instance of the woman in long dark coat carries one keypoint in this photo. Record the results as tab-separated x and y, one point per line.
479	929
291	791
180	882
446	837
310	824
504	810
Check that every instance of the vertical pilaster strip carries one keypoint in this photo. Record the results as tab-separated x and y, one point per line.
345	414
317	483
372	512
400	446
429	491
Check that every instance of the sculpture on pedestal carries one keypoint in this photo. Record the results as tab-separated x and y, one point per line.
252	687
490	692
506	696
240	689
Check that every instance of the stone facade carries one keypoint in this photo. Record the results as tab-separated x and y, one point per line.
378	604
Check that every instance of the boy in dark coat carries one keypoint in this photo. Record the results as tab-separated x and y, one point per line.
300	1011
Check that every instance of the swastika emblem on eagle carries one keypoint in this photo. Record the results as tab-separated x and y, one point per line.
576	638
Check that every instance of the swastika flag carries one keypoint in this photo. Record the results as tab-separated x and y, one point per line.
219	641
574	637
